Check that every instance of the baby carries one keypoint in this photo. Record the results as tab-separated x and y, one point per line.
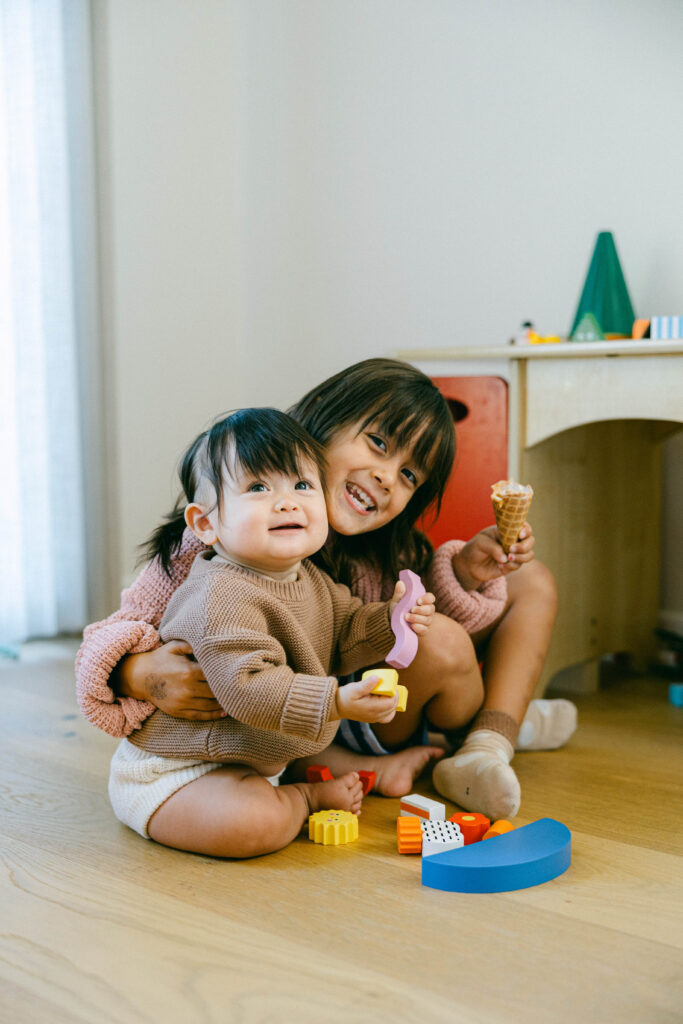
271	632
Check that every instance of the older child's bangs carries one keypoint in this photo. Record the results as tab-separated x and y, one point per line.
425	431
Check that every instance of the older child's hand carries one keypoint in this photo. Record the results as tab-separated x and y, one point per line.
357	702
421	614
169	678
483	559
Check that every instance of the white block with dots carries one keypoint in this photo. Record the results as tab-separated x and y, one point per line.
423	807
438	836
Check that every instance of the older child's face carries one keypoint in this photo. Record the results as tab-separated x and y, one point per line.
369	480
272	521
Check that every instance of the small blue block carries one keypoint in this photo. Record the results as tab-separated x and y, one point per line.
527	856
676	694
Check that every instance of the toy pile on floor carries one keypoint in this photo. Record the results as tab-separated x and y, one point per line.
465	853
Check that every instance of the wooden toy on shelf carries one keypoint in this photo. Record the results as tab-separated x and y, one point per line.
666	328
423	807
519	859
333	828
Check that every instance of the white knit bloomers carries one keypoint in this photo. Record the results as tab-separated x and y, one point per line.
140	782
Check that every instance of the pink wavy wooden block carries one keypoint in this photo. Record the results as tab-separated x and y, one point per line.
405	648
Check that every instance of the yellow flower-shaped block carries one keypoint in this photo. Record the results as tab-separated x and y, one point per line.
333	828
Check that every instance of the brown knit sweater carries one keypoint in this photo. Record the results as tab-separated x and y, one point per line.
267	650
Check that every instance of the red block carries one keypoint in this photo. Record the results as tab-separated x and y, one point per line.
318	773
368	780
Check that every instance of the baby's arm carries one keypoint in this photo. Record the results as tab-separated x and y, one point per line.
360	629
248	673
131	630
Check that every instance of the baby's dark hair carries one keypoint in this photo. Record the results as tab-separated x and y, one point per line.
402	403
259	441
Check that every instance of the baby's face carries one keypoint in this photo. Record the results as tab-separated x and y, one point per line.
273	521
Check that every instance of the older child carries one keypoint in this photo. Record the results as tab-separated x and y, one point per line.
388	440
267	627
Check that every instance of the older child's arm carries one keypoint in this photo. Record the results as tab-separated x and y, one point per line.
482	559
133	630
472	602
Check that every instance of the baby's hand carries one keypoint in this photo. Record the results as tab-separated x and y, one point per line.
357	702
421	614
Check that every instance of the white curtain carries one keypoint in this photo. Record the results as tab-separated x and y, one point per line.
42	542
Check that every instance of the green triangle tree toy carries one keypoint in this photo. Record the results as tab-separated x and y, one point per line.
605	294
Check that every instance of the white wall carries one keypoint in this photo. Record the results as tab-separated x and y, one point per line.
291	185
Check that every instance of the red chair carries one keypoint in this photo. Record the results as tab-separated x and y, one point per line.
479	407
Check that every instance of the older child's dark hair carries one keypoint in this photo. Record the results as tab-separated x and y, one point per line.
257	440
403	404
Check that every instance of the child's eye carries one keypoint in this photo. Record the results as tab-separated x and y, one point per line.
377	440
303	485
256	488
409	475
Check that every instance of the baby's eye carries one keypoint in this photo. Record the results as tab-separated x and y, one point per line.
303	485
256	488
377	440
410	476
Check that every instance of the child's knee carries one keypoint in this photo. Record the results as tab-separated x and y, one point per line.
450	646
540	585
452	657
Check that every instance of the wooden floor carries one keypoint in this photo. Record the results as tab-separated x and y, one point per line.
99	925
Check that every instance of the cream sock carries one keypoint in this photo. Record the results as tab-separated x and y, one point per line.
479	776
547	725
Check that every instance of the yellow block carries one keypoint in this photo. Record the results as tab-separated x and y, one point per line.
402	697
388	680
333	828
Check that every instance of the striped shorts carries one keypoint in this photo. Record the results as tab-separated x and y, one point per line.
360	736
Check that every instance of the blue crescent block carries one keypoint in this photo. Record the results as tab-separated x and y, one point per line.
527	856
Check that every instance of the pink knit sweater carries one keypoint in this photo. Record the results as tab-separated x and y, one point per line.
134	627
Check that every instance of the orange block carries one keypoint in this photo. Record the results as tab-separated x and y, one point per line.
498	829
409	834
318	773
640	328
472	825
368	780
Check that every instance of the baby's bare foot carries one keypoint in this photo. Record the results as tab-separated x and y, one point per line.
342	794
397	772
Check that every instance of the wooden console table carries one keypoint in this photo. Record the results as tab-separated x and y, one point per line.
586	422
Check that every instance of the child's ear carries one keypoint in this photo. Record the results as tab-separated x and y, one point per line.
198	521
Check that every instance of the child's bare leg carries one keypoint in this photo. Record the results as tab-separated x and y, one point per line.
396	772
515	654
479	776
517	644
235	812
